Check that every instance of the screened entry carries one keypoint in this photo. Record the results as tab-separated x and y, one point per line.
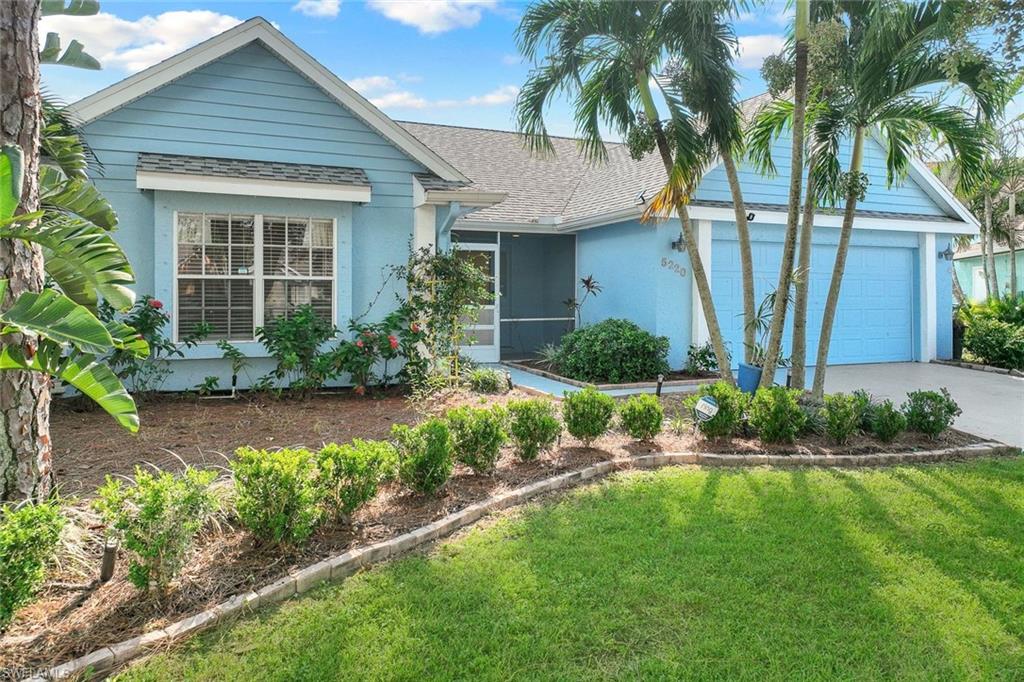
536	276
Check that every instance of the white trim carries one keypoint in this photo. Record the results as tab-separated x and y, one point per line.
501	226
424	227
465	197
927	258
258	277
538	319
250	187
934	188
727	214
259	29
478	351
699	333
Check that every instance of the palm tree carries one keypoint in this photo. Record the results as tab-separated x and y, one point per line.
605	56
800	37
895	52
50	211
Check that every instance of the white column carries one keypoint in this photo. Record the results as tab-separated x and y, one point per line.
699	323
928	319
424	227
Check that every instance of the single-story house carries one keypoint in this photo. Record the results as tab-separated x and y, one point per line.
970	271
249	179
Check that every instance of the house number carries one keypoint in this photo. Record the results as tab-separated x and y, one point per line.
675	267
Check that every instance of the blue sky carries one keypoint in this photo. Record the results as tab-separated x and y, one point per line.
440	61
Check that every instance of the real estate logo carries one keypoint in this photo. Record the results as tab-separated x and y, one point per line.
706	408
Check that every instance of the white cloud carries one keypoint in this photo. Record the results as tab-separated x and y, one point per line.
384	92
434	16
753	49
371	84
133	45
327	9
511	60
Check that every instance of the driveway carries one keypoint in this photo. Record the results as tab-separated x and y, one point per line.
992	404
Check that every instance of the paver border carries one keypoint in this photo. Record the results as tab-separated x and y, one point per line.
341	566
963	364
608	387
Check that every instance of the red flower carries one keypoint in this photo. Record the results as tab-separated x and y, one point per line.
393	341
154	303
415	328
359	343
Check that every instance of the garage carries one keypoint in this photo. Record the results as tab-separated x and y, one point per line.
875	318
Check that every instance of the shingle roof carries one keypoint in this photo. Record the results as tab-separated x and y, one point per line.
259	170
429	181
825	210
565	185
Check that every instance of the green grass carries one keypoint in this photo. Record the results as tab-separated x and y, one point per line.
908	573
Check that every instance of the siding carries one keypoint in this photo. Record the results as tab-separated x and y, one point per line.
251	105
965	271
906	197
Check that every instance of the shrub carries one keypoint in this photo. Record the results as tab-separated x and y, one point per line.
533	427
28	540
484	380
701	359
350	474
863	404
731	404
277	493
156	517
887	422
775	414
477	435
587	414
995	342
294	342
613	351
843	414
1005	309
642	416
930	412
424	455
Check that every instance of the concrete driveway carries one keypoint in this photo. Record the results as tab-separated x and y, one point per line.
992	404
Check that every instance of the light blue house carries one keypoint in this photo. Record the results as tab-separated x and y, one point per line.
249	180
971	271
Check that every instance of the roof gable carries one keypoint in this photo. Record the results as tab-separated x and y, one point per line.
258	30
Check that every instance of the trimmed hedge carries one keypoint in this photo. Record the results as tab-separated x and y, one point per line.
612	351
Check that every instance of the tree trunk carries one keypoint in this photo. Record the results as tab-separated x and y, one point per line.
746	260
832	302
958	292
1012	243
700	276
983	240
25	450
796	176
803	287
990	257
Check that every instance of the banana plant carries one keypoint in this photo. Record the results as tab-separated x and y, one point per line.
75	54
56	331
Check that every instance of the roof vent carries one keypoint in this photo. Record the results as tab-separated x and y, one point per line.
640	198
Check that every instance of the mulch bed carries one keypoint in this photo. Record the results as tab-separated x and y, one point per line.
75	614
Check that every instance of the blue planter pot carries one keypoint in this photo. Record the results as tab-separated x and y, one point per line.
749	377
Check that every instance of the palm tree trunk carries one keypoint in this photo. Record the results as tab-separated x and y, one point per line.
25	451
958	292
803	266
746	260
796	176
1012	243
993	283
832	302
700	276
984	258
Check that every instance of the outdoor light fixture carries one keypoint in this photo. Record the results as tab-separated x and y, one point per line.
678	245
947	254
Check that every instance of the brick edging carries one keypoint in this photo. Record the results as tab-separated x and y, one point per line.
607	387
343	565
979	367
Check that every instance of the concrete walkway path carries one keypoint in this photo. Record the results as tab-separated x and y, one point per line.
992	404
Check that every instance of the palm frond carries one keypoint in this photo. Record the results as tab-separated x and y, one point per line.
773	119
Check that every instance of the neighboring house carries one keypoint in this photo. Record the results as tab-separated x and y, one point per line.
971	273
249	179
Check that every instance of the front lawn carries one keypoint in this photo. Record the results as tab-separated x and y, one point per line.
910	573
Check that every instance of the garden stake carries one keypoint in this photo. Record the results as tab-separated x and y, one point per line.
661	380
109	558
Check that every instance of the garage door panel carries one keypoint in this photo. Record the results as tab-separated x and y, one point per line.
874	320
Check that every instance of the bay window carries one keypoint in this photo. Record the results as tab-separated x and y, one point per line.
239	272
